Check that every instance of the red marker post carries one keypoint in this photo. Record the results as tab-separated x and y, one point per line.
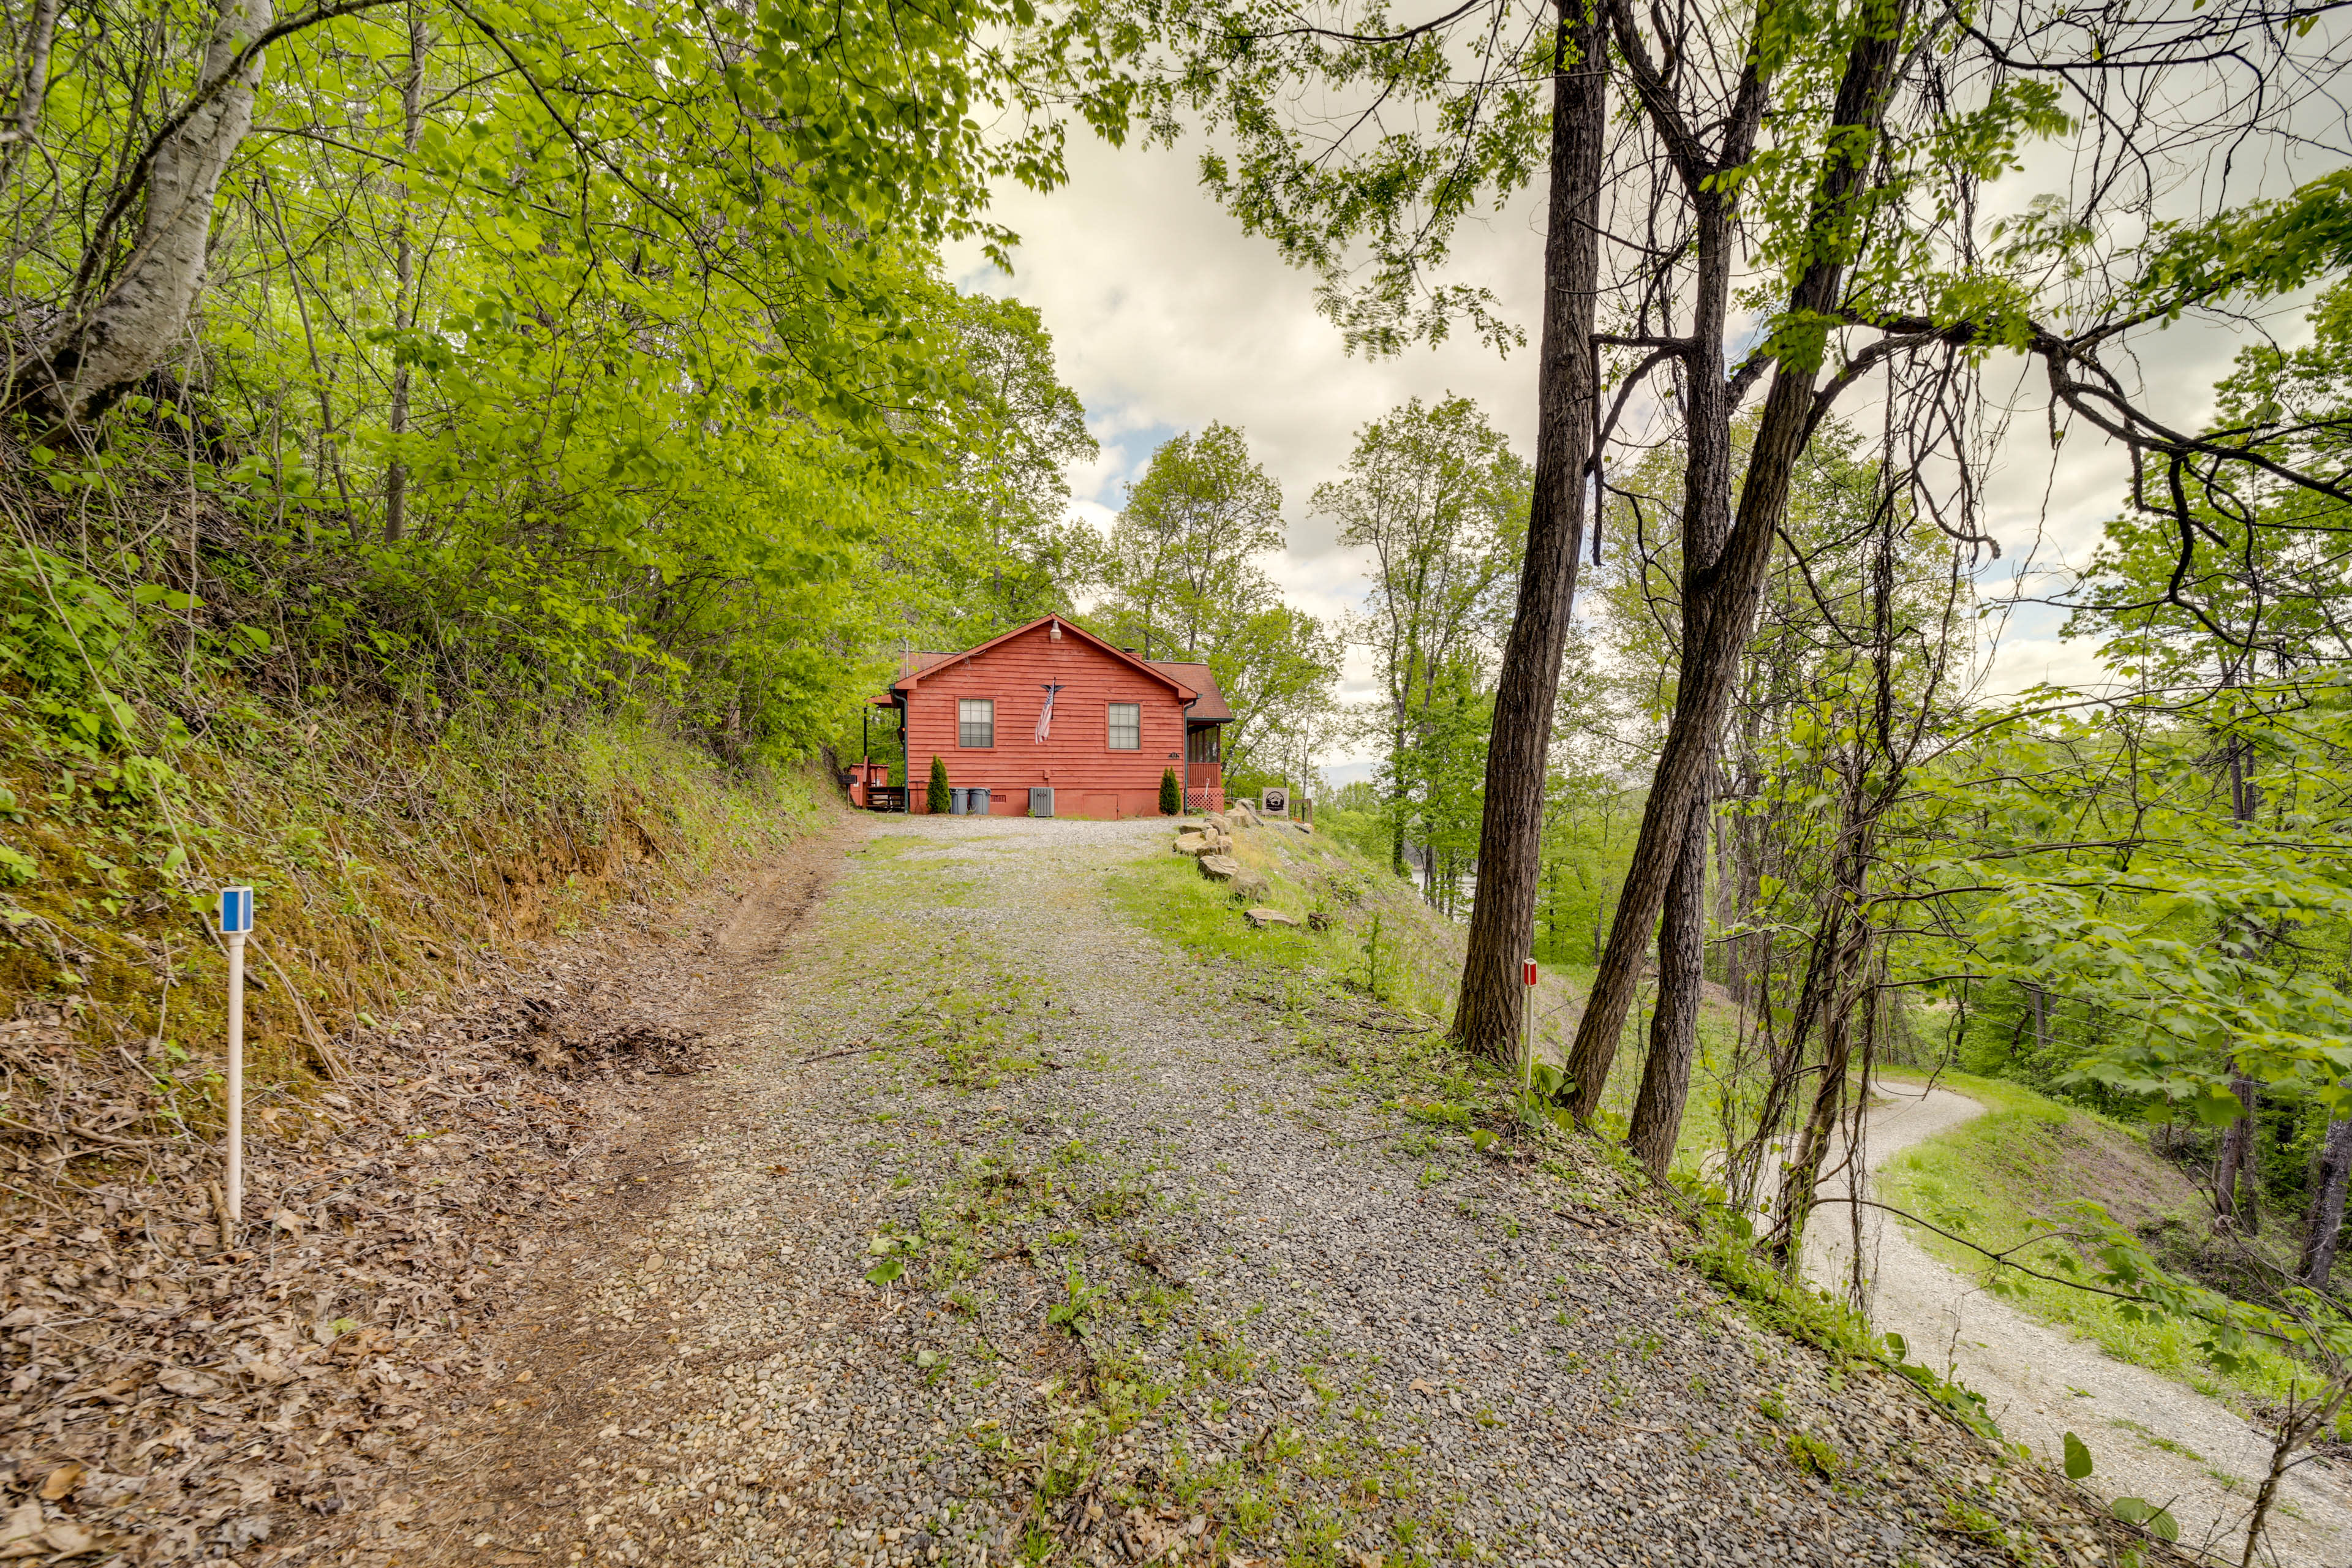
1527	978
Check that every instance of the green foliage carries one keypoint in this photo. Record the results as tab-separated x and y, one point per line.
505	401
935	793
2262	249
994	547
1439	500
2262	561
1172	794
1183	571
2156	1519
2116	871
2009	1182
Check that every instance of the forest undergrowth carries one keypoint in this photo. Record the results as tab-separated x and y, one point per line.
436	1037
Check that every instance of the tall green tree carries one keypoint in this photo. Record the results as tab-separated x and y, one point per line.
1279	671
1185	576
1437	498
1183	565
994	545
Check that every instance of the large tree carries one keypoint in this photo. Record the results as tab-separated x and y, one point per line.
1794	208
1437	500
1182	561
1185	575
994	545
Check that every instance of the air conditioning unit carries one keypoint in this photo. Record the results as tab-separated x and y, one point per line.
1040	800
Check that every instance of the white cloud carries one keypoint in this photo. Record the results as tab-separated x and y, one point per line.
1165	316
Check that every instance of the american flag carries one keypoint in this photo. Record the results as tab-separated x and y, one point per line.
1045	718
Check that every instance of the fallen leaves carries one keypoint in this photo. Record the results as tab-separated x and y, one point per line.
24	1535
250	1391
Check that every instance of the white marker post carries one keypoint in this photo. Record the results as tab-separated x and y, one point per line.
1528	976
236	924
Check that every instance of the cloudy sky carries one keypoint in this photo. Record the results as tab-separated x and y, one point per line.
1165	316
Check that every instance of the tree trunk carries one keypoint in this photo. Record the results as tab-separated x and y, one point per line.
1486	1019
1673	1026
2235	1192
1706	525
2324	1223
395	473
33	91
1397	791
1719	601
1801	1179
1802	1175
1838	937
141	320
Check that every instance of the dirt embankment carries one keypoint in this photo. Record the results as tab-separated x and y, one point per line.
170	1392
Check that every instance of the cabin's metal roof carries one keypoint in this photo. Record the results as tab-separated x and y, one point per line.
908	663
1212	708
914	666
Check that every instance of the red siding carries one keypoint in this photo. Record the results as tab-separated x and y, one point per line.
1089	779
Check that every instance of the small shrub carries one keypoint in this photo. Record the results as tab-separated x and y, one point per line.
935	795
1171	797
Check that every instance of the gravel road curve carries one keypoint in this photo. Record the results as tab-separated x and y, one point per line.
1186	1279
2150	1436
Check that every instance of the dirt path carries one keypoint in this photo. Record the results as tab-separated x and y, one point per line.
2150	1436
1189	1267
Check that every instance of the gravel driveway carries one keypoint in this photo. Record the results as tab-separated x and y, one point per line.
1177	1279
2150	1436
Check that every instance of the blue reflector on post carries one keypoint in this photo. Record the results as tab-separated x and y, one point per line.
235	910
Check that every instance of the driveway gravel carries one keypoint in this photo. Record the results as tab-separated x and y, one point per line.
1005	1230
2151	1437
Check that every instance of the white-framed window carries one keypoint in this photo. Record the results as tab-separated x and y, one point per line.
976	722
1127	726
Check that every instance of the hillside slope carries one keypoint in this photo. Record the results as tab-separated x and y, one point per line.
2149	1436
477	966
2011	1175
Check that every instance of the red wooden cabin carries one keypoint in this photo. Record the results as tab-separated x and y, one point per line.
1117	722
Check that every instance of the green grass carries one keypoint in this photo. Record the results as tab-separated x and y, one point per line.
2005	1178
1381	939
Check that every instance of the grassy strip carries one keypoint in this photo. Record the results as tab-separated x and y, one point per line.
2007	1176
1376	936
